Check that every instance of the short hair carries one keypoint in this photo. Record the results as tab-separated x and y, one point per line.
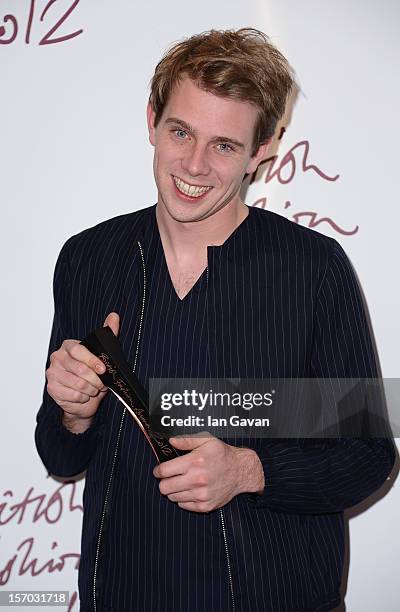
238	64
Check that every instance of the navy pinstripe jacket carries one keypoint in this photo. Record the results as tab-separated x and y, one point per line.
282	301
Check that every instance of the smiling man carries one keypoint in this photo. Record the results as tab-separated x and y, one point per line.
202	286
203	147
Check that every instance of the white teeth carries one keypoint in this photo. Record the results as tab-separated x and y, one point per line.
190	190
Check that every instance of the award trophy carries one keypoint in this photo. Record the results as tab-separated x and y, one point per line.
120	379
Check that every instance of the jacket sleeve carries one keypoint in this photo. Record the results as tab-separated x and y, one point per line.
63	453
316	476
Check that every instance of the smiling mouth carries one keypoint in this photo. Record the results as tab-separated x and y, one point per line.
192	191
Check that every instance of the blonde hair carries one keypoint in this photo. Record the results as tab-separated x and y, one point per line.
239	64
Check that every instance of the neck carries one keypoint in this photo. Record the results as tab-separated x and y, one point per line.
185	238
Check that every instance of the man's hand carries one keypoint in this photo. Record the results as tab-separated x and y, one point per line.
73	383
210	475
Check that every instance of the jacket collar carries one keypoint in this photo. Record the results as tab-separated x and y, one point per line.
237	248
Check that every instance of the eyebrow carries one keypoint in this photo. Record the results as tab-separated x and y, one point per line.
191	130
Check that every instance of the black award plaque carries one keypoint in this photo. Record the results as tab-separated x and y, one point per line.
120	379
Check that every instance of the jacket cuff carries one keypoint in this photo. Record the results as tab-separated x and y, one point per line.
267	462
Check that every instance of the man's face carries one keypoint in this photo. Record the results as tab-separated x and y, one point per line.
202	150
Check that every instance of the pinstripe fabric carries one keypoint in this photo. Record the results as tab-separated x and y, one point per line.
281	300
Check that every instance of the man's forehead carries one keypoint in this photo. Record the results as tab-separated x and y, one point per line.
190	92
200	110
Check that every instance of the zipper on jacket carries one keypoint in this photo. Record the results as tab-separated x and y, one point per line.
105	508
221	514
223	527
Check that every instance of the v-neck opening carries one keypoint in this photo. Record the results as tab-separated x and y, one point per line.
193	289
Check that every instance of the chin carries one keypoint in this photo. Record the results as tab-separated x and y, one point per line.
185	216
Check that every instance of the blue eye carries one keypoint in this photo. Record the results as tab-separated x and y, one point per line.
180	133
225	147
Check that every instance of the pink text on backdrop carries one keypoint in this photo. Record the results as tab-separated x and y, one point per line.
9	31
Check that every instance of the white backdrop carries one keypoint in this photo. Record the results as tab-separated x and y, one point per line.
74	151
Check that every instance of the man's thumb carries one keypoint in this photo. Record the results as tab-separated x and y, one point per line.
112	320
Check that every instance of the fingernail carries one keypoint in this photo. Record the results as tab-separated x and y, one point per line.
100	369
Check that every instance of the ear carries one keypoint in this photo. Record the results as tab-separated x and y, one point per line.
150	123
257	158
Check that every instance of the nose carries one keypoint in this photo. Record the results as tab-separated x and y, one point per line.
195	161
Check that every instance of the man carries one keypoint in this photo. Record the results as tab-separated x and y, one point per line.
200	285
